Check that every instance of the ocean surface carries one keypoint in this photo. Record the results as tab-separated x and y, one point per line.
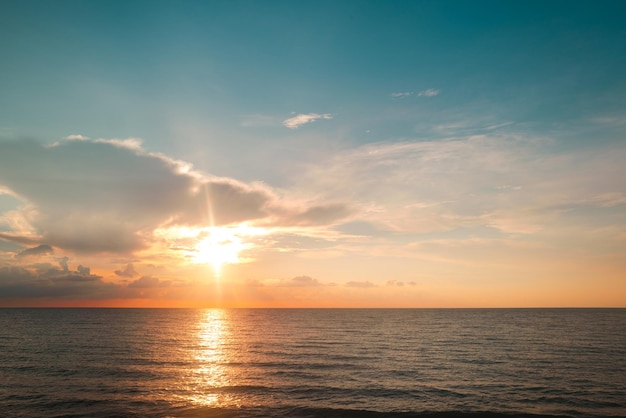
312	362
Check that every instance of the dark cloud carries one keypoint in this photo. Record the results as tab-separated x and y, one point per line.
129	271
43	268
45	281
42	249
148	282
304	281
360	284
63	263
83	270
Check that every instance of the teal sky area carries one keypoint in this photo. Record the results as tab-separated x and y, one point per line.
184	76
431	136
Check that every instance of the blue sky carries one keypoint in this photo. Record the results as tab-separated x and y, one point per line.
382	129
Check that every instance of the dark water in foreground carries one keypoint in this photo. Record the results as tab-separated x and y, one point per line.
312	363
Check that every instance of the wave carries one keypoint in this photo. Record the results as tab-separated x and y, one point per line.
308	412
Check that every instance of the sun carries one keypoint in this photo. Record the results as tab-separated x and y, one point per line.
218	248
214	245
223	245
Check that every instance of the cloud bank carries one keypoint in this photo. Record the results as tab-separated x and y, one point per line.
94	196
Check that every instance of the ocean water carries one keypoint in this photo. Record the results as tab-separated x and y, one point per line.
312	362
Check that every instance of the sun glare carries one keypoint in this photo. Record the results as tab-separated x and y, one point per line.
212	245
223	245
220	247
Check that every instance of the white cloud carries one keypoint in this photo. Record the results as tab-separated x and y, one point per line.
76	137
423	93
302	119
130	143
429	93
402	94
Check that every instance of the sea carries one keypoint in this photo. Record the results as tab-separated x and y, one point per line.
312	362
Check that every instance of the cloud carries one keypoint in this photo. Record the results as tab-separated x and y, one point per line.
95	196
609	199
423	93
63	263
302	119
309	215
402	94
19	238
148	282
429	93
76	137
394	283
129	271
360	284
130	143
300	281
84	271
46	281
42	249
417	187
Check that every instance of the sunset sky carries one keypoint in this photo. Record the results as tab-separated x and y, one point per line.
313	154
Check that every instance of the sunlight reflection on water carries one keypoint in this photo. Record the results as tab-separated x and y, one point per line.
209	377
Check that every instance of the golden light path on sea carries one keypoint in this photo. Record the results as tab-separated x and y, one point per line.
210	356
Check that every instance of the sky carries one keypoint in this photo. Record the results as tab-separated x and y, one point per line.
313	154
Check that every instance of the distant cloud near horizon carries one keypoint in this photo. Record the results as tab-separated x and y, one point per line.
365	284
301	281
302	119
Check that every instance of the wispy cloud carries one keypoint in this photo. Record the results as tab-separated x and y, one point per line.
402	94
304	118
436	186
423	93
429	93
130	143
